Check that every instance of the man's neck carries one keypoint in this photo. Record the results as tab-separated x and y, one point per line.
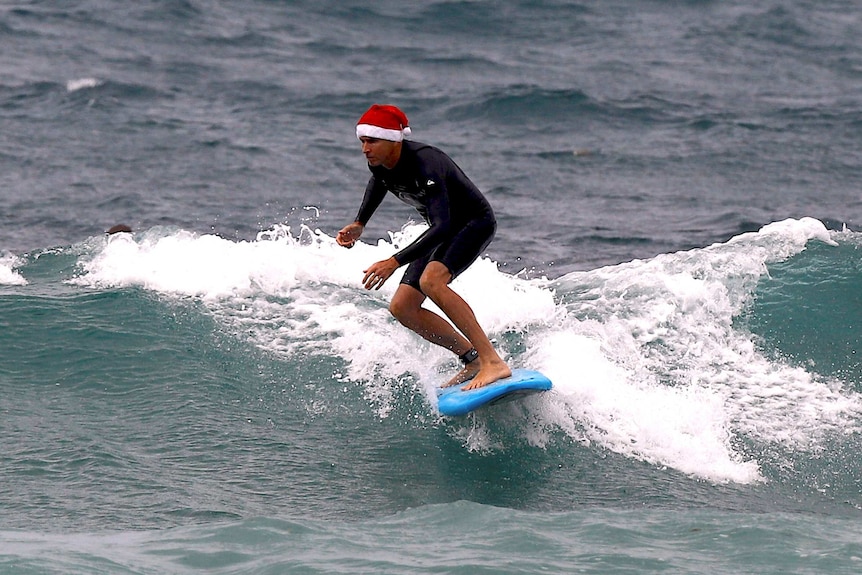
392	160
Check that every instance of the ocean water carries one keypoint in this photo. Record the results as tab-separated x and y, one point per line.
678	190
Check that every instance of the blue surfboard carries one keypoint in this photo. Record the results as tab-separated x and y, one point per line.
454	401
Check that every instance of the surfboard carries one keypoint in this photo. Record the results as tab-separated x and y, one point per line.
454	401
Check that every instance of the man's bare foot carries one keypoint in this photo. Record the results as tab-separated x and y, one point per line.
488	374
469	372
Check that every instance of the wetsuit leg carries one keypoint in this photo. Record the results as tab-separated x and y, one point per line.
458	253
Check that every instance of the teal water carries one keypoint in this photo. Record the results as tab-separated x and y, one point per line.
431	540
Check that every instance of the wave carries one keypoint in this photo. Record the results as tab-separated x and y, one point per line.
653	359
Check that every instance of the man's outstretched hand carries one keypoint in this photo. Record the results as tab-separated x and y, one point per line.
349	234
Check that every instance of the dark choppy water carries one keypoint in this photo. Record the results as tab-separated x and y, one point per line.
678	190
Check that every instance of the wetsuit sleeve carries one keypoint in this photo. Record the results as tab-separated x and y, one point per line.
374	195
440	224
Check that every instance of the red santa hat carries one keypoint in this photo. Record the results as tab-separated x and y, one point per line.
383	122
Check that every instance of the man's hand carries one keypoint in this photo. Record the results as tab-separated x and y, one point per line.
377	274
349	234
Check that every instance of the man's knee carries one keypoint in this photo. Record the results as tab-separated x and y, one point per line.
435	277
405	303
400	309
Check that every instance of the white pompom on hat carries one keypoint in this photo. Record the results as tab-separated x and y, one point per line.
383	122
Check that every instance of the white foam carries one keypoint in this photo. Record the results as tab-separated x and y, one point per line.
649	363
206	266
81	84
8	274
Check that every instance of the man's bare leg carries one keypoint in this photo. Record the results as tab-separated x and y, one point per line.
435	283
406	306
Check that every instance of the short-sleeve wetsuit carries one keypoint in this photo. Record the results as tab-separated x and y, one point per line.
460	219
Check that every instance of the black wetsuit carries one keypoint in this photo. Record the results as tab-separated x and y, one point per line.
460	219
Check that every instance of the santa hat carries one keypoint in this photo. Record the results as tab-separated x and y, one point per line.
384	123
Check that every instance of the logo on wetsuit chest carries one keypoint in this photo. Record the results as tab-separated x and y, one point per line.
414	195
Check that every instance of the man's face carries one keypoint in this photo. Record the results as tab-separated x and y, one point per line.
380	152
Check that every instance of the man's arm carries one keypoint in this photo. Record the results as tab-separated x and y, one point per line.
370	202
374	195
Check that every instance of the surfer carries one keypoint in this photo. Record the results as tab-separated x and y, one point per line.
461	225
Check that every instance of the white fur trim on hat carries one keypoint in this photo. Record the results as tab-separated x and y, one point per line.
371	131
